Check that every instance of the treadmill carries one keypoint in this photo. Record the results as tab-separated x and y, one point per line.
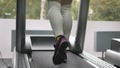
35	49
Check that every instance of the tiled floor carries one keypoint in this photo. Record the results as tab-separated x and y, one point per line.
7	61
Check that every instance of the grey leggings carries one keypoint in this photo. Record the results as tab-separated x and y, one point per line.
60	18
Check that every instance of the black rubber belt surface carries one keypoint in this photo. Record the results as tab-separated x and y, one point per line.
43	59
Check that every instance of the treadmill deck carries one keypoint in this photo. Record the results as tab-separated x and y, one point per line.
43	59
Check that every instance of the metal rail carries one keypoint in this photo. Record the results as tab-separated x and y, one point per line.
20	25
81	28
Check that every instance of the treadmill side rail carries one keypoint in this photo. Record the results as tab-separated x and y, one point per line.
98	62
20	60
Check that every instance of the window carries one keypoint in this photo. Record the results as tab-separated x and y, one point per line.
108	10
98	9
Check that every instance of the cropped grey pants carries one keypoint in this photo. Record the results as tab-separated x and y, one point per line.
60	18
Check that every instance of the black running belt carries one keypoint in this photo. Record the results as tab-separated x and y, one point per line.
43	59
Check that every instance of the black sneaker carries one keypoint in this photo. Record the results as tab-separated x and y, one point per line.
60	50
65	56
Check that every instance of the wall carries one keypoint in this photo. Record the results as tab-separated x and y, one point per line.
6	25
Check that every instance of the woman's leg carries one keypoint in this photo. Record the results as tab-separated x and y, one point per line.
55	17
67	19
60	28
56	21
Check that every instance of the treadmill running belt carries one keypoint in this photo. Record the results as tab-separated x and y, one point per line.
43	59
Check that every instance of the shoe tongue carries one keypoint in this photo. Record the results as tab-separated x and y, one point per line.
59	37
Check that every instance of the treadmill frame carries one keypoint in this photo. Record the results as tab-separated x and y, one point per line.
21	27
21	47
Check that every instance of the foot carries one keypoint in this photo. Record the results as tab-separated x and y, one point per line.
60	50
